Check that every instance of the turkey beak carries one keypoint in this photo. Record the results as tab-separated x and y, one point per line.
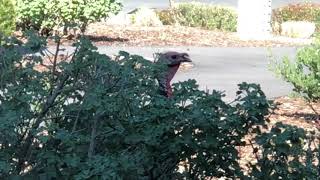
186	58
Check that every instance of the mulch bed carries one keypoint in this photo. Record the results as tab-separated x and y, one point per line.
103	34
295	111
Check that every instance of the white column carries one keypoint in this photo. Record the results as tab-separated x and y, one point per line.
254	19
171	3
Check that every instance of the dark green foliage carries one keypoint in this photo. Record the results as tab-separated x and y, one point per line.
98	118
283	150
93	117
7	17
201	15
52	15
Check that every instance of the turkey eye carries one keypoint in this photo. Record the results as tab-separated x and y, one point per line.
174	57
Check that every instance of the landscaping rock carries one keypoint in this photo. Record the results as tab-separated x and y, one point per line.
298	29
138	17
121	19
145	17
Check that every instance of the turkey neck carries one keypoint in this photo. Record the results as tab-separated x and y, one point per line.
171	72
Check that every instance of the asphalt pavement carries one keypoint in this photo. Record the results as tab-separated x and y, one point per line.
223	68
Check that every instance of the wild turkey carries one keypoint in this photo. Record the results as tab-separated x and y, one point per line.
173	60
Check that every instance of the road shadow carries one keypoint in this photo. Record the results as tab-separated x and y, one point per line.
106	39
304	116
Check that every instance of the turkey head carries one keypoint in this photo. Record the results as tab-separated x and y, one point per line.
172	60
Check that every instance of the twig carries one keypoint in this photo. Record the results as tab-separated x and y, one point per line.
47	55
56	58
93	137
50	100
314	110
78	130
46	51
254	150
45	108
76	121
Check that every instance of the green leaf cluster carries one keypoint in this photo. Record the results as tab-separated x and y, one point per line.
303	72
48	15
287	152
7	17
201	15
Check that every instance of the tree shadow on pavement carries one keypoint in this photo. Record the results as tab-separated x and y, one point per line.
106	38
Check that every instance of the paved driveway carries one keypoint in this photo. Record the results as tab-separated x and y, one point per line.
223	68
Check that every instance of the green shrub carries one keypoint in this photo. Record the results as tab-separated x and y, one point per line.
7	17
97	118
167	17
47	15
303	72
297	12
201	15
93	117
286	152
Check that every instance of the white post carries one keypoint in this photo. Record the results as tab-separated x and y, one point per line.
254	19
171	2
